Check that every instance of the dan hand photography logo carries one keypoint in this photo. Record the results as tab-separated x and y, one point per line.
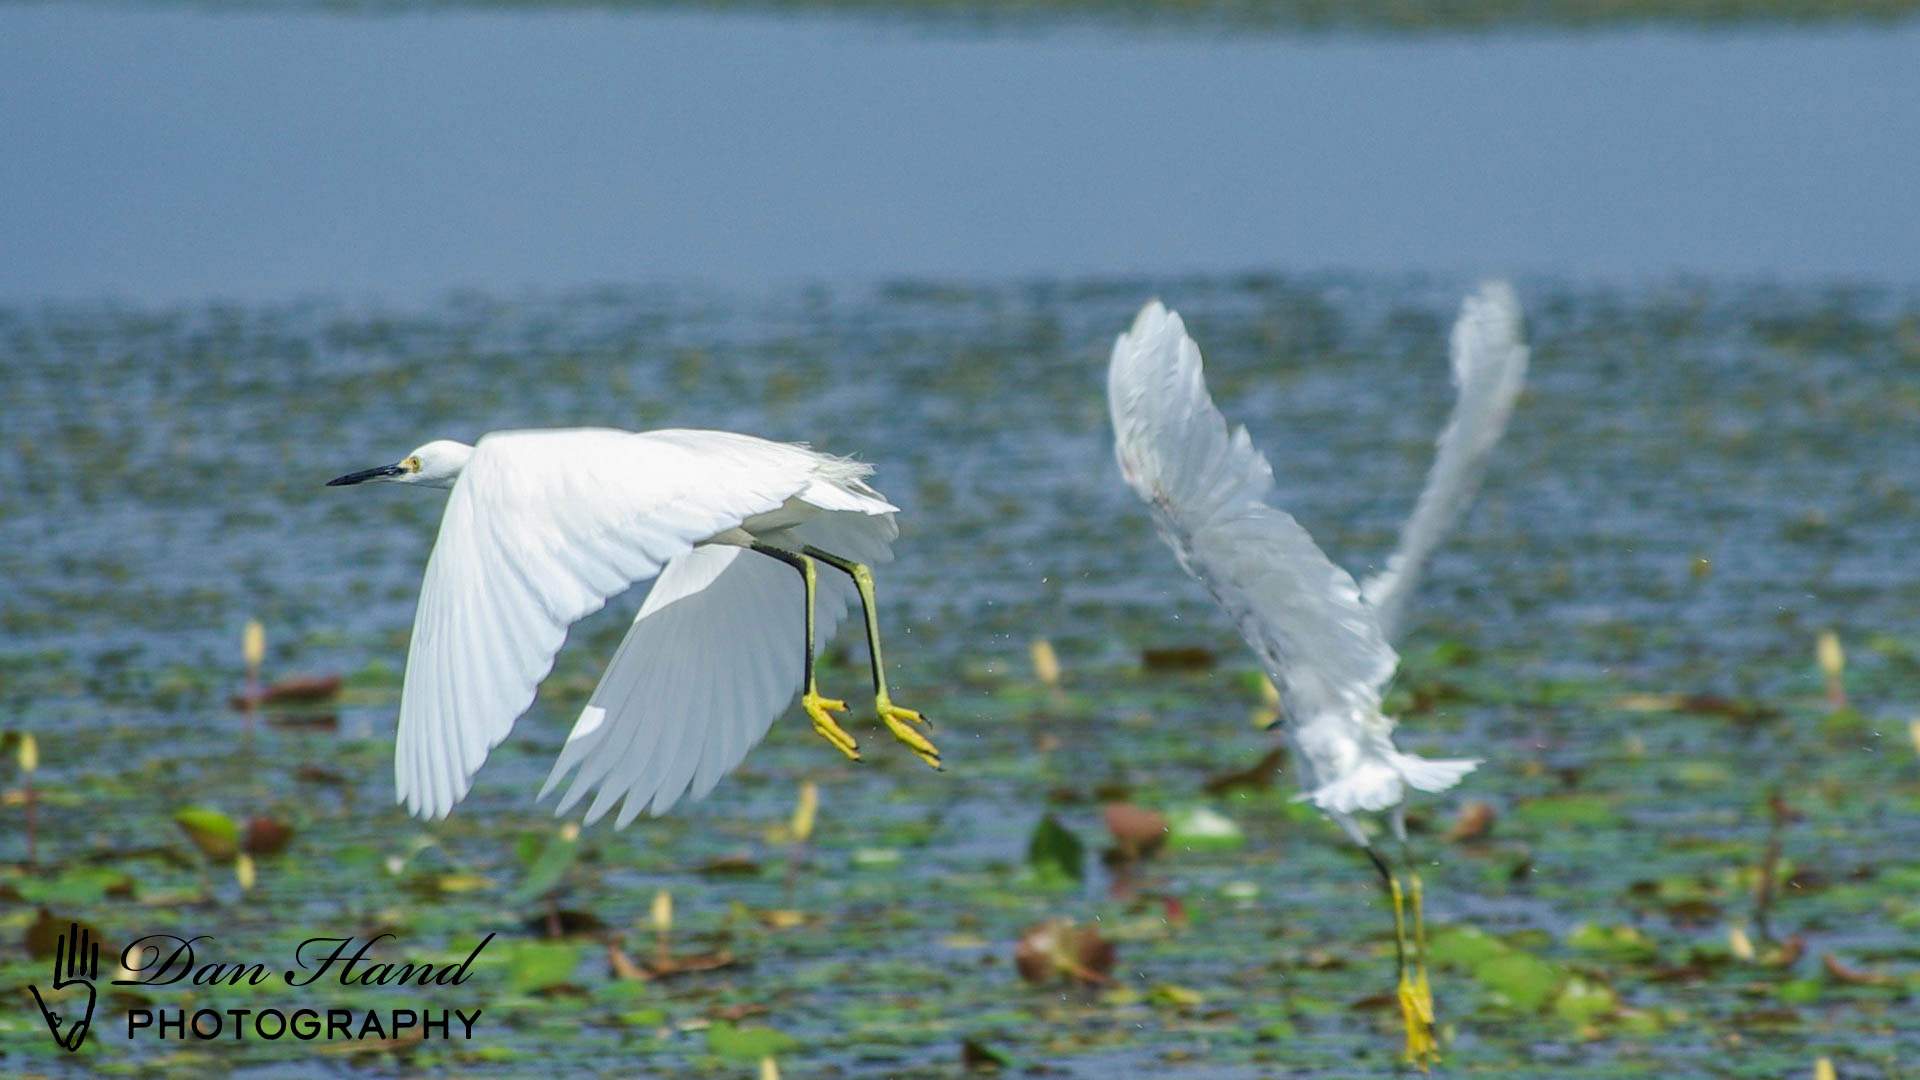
78	965
165	960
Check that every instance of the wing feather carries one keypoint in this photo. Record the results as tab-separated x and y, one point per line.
714	655
1489	357
1207	486
540	529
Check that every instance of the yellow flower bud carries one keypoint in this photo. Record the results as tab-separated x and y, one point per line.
805	810
1832	659
253	644
1046	662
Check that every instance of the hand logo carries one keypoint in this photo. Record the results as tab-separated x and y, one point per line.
76	962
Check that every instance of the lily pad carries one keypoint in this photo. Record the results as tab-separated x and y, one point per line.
1199	828
214	833
1054	851
747	1044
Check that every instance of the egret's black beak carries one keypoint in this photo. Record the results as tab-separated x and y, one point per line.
365	475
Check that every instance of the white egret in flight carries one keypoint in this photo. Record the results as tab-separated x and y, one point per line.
543	527
1326	641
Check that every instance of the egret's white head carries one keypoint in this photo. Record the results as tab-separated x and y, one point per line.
437	464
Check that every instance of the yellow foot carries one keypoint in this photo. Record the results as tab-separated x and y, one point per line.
821	710
1416	1011
900	721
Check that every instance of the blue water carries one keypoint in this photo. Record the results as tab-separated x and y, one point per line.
162	155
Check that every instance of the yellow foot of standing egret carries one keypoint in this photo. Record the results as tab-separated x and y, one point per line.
1411	990
1422	986
1416	1012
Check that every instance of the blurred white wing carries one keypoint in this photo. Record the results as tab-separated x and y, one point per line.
714	655
1206	487
1489	365
540	529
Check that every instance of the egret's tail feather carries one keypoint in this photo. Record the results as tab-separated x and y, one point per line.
1422	774
1381	783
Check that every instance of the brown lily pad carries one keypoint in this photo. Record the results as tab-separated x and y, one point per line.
1059	949
1137	832
621	965
266	836
1475	821
298	690
46	929
738	864
1852	976
1254	778
1177	658
666	967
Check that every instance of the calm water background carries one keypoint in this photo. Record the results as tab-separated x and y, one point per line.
163	154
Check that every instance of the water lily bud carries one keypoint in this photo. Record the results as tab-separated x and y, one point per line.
663	911
769	1070
253	644
1046	663
1823	1069
244	873
805	810
1832	663
1832	660
30	751
1739	944
1268	712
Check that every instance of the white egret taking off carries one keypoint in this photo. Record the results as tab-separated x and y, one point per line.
543	527
1326	641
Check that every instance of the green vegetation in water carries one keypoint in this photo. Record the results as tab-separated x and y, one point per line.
1662	748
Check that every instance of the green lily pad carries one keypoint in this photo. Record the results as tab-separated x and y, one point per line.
747	1044
1583	1001
533	966
549	867
1592	811
1521	981
1054	851
214	833
1619	942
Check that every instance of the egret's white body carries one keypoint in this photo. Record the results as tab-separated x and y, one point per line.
1326	641
543	527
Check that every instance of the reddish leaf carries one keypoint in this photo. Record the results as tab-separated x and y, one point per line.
1057	949
266	836
1137	831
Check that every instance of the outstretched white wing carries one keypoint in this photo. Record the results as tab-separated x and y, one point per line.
540	529
1489	365
1207	489
714	655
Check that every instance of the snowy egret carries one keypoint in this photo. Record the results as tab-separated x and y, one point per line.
543	527
1326	641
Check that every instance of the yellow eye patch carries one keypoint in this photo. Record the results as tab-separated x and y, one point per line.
411	464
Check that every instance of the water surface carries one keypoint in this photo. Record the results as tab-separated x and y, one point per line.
1698	480
163	154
